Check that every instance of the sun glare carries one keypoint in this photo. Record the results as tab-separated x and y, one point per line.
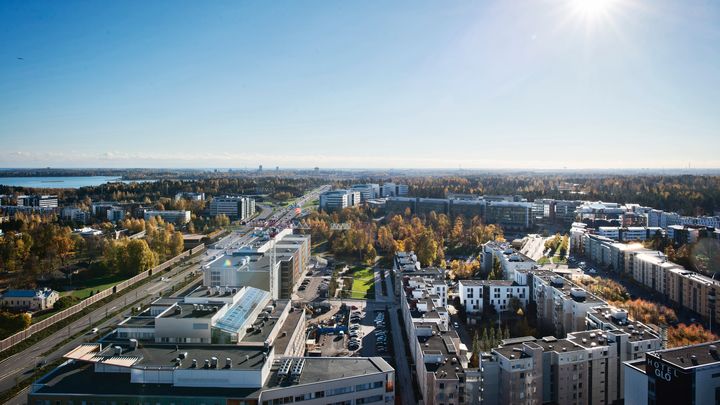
593	9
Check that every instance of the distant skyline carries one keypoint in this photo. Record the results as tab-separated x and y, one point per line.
577	84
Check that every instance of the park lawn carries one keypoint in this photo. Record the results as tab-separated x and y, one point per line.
363	283
87	288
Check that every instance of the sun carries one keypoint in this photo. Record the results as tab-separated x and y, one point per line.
592	9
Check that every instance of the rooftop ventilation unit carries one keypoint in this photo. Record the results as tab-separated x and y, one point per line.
297	367
284	369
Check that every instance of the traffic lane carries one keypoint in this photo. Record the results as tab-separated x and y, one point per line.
30	357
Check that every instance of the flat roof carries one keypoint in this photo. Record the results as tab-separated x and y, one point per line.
81	379
291	321
192	311
164	354
261	327
138	322
682	357
320	369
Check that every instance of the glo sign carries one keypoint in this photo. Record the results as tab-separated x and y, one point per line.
672	384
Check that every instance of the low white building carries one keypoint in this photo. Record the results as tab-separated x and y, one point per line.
33	300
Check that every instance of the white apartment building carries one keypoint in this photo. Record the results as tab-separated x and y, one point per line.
177	217
476	294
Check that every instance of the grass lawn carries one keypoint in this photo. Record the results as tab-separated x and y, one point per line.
84	288
363	283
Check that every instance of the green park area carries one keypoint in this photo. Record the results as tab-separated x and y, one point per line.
363	285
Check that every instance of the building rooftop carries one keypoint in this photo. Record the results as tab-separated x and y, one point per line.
186	311
320	369
138	322
691	356
294	317
81	378
264	324
237	314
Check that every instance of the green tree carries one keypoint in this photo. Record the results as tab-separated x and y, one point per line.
139	257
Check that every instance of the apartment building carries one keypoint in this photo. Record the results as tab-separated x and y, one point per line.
475	295
630	233
74	214
176	217
653	270
584	368
336	200
561	304
510	259
236	207
439	356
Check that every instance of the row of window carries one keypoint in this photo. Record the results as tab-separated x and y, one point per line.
330	393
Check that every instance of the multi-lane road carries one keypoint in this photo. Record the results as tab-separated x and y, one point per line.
21	365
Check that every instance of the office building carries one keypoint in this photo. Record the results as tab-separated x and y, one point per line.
393	190
176	217
164	356
337	200
41	201
510	215
367	191
235	207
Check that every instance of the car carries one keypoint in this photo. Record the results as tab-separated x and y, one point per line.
301	288
592	271
354	307
354	320
93	331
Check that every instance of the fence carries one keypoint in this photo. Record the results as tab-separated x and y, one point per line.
11	341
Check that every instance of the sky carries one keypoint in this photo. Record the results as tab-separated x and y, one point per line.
360	84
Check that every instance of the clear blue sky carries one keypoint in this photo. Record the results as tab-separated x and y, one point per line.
476	84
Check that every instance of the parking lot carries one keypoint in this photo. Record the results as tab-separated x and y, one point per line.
352	330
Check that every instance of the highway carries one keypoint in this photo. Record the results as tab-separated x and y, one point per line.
21	365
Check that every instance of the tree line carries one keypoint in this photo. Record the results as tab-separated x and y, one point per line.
351	232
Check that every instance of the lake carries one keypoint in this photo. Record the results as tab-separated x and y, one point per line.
60	182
